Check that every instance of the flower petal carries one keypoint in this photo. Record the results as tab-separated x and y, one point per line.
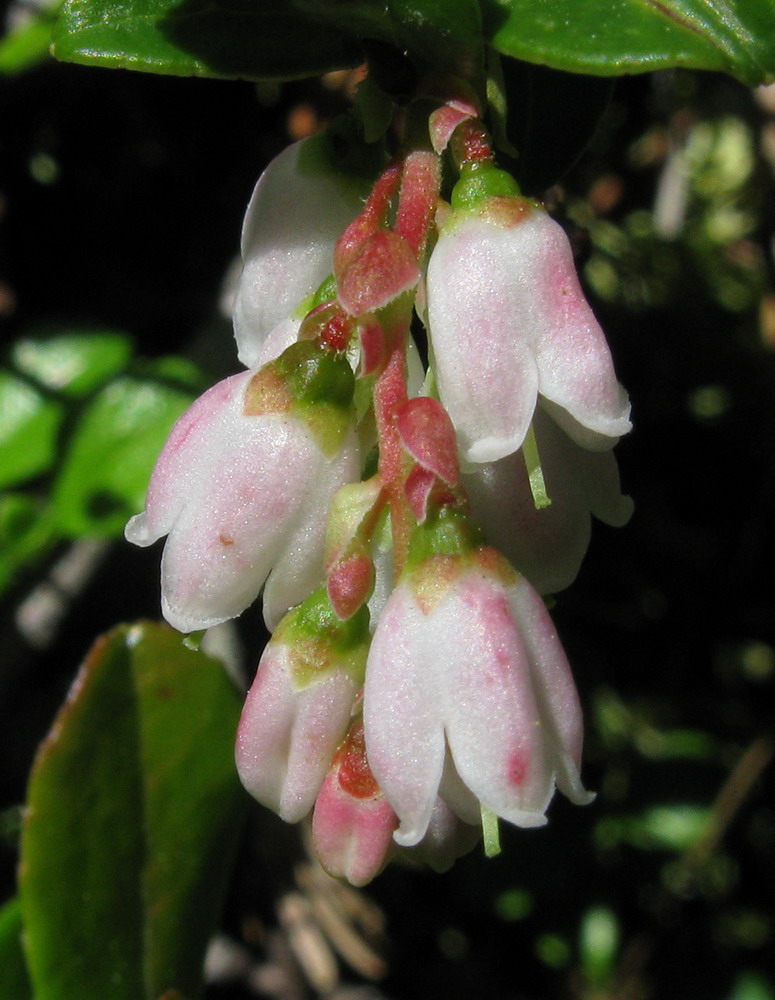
485	369
299	208
574	361
298	568
491	719
402	722
191	448
547	545
555	691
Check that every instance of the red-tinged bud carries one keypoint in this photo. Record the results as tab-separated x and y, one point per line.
377	271
350	582
352	825
298	709
428	435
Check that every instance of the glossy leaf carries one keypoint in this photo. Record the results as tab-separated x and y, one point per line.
111	453
222	38
132	814
612	37
446	33
288	38
14	979
72	363
28	430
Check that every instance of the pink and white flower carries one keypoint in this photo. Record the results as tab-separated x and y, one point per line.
296	214
547	545
508	322
242	497
466	675
298	709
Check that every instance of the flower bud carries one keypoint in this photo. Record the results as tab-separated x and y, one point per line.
352	824
298	709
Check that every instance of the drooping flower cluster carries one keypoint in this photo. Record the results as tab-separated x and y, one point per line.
402	524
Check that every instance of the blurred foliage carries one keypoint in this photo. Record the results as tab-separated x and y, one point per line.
81	424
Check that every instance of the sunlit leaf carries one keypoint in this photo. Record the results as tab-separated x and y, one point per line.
26	534
132	814
26	44
72	363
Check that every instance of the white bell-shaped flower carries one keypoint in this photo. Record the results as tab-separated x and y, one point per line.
509	322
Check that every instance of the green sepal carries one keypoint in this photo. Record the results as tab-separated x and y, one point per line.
316	376
482	180
447	531
309	382
319	641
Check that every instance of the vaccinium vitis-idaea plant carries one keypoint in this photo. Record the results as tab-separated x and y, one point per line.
415	690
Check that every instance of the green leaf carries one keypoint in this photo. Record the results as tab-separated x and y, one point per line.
445	33
14	979
72	363
29	424
111	454
221	38
132	815
613	37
